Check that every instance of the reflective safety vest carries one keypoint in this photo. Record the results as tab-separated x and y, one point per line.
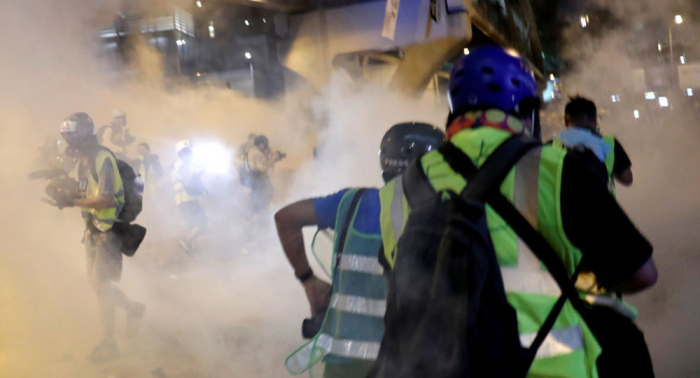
534	187
103	219
181	193
354	324
610	158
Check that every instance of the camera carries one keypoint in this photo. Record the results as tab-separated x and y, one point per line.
312	326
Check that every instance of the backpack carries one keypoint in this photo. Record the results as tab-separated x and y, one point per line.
447	312
133	202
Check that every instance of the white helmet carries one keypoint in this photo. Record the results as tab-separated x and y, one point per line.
183	144
118	113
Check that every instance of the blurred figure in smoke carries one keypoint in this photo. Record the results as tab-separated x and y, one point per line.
547	204
582	133
354	215
101	207
51	156
189	190
241	156
258	162
150	169
116	136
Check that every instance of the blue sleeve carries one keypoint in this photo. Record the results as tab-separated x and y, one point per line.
327	209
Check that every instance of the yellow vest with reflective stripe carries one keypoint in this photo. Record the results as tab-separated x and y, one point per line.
104	219
534	187
610	158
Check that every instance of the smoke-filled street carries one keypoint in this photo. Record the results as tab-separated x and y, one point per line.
159	160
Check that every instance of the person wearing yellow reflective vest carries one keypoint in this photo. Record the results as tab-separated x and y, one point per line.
101	204
581	135
491	98
348	313
150	170
189	190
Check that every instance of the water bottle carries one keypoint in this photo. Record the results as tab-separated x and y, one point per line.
140	183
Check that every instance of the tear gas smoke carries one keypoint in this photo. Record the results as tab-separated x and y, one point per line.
235	311
663	147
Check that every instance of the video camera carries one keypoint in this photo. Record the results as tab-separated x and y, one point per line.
59	188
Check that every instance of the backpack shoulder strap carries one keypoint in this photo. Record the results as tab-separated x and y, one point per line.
416	186
506	156
346	224
493	171
348	218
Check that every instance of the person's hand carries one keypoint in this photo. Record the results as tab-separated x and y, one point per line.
318	293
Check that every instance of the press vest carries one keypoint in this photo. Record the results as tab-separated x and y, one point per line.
534	187
103	219
354	324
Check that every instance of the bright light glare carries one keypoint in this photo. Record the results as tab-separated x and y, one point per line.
584	21
551	77
663	101
247	55
659	46
215	157
650	96
679	19
247	23
689	92
615	98
199	4
181	42
466	51
264	21
682	59
636	114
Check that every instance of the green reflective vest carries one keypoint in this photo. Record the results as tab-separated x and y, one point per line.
352	330
534	185
103	219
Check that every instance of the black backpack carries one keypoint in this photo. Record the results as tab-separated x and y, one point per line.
447	313
133	201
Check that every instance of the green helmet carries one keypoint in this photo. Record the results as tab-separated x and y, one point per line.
405	142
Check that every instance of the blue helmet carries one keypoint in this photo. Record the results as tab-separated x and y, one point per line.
492	77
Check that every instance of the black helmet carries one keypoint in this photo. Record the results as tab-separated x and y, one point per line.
405	142
261	139
78	130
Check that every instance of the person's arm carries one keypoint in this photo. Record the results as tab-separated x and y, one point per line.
612	247
622	170
625	178
289	221
262	163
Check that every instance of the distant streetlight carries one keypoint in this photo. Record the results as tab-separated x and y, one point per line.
247	23
247	55
466	51
679	19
